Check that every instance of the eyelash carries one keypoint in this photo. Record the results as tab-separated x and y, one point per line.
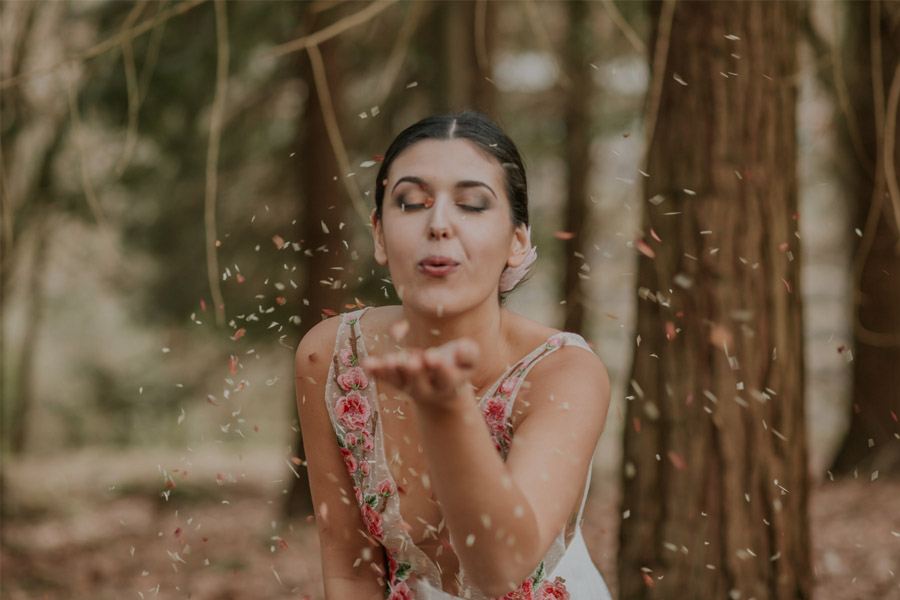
401	201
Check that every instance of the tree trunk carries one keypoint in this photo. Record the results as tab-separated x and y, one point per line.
578	100
715	476
871	443
324	200
460	82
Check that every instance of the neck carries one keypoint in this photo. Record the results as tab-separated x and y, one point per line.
483	323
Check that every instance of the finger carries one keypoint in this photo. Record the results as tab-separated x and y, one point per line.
441	376
405	370
394	371
466	353
417	375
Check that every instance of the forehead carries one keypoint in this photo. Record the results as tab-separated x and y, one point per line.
446	162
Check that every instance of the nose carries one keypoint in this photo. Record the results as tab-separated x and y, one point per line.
438	231
439	226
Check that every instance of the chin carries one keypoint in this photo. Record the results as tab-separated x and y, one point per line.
439	302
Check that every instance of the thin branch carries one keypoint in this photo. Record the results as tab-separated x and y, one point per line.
334	134
395	61
212	159
153	48
625	27
86	184
537	25
660	58
890	140
131	86
107	44
877	73
840	86
335	29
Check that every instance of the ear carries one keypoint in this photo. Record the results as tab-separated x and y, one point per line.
518	246
378	238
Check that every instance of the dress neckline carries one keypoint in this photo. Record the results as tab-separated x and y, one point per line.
433	571
509	370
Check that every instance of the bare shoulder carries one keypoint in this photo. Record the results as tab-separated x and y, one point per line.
571	378
316	346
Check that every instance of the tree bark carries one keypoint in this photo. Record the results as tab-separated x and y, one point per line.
715	476
871	443
324	200
459	82
578	101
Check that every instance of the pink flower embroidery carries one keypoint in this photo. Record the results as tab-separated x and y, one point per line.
346	357
359	495
364	468
385	487
508	385
372	519
495	414
368	441
392	567
400	591
349	460
353	378
555	342
524	592
353	410
350	439
555	590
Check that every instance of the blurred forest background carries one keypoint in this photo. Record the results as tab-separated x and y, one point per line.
714	193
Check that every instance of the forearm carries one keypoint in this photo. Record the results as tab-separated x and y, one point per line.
338	588
491	521
352	572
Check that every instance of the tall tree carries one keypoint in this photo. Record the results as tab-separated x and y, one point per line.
715	460
323	197
868	87
462	52
577	102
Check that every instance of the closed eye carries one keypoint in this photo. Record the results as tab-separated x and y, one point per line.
404	206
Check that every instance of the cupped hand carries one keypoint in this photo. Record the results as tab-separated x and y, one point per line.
434	378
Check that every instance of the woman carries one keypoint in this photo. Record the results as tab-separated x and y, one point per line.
464	432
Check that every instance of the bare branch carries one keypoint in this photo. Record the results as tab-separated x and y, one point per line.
131	85
212	159
107	44
331	31
398	54
334	133
625	27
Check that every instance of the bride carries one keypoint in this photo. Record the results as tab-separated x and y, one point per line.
449	440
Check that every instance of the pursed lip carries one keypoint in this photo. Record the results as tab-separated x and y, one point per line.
438	261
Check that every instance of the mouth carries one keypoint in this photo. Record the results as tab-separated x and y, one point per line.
438	266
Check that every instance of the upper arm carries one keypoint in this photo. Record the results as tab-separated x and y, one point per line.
337	514
567	398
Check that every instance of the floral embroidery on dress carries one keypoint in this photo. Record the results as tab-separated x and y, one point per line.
357	417
538	588
494	409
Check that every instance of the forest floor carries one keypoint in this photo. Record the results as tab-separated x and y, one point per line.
94	540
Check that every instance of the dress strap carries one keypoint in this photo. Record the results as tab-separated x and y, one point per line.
587	487
497	408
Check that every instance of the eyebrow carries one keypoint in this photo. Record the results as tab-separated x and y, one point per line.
466	183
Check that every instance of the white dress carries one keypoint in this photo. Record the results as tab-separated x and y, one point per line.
352	401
